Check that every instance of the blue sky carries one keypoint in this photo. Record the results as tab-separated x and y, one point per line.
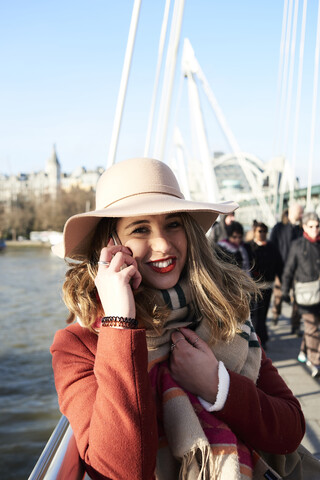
61	65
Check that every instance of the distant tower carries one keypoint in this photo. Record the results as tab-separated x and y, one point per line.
53	171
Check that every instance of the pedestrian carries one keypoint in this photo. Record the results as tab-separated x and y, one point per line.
282	235
218	230
161	373
233	249
266	263
302	272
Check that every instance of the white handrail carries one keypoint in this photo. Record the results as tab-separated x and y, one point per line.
60	458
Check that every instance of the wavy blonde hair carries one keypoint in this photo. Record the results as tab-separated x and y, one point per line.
220	291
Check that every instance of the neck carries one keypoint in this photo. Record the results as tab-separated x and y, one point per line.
311	239
181	313
260	242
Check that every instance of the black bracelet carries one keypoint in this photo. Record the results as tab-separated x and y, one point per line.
123	322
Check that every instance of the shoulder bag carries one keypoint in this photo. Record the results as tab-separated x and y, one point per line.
307	293
299	465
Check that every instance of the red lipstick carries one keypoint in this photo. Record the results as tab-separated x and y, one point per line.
163	266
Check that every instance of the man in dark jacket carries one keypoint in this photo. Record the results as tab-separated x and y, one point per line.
282	235
303	266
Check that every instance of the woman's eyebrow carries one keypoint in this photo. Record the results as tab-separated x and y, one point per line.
137	222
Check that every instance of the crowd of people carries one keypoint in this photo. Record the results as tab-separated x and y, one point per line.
286	262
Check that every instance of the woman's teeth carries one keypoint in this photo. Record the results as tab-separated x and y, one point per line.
162	264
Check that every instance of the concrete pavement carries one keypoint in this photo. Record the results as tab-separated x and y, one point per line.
283	349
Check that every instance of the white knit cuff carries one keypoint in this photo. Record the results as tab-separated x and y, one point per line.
223	390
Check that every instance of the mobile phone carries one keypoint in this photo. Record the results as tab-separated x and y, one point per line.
116	241
115	238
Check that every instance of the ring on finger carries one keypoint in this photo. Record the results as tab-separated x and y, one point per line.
101	262
195	341
177	341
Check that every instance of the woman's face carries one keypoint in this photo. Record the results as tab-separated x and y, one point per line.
260	234
235	238
312	228
158	244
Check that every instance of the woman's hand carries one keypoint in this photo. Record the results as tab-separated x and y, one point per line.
115	281
193	365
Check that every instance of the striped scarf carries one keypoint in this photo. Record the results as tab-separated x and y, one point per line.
193	443
233	249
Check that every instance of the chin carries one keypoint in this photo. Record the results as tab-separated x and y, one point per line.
162	283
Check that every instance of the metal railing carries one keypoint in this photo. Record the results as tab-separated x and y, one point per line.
60	458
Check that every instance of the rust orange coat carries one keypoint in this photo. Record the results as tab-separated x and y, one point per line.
105	392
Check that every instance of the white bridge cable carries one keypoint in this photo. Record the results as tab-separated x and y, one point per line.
162	39
286	177
209	177
175	120
280	76
194	68
200	145
192	130
237	151
285	76
314	109
124	82
170	68
182	167
298	99
290	78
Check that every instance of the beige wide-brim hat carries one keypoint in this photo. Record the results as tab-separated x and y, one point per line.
134	187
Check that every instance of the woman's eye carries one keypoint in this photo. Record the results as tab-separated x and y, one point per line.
140	230
175	224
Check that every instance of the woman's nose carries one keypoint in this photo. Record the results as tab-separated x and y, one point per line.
160	243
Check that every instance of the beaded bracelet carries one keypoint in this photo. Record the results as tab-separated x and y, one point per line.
123	322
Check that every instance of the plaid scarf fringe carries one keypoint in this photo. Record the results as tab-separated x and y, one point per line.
205	446
193	443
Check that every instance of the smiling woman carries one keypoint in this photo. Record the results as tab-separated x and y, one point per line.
159	245
149	375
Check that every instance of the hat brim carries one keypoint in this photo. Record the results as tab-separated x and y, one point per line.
79	229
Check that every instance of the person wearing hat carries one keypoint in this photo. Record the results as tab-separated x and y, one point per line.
160	373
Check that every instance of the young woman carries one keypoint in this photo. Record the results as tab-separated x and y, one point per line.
266	265
162	375
233	249
303	265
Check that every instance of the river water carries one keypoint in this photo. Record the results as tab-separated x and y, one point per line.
31	310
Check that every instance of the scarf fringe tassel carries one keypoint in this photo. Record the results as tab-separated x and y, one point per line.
212	467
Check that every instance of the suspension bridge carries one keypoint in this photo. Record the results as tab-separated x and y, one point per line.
263	189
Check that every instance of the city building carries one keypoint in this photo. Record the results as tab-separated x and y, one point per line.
262	190
47	181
